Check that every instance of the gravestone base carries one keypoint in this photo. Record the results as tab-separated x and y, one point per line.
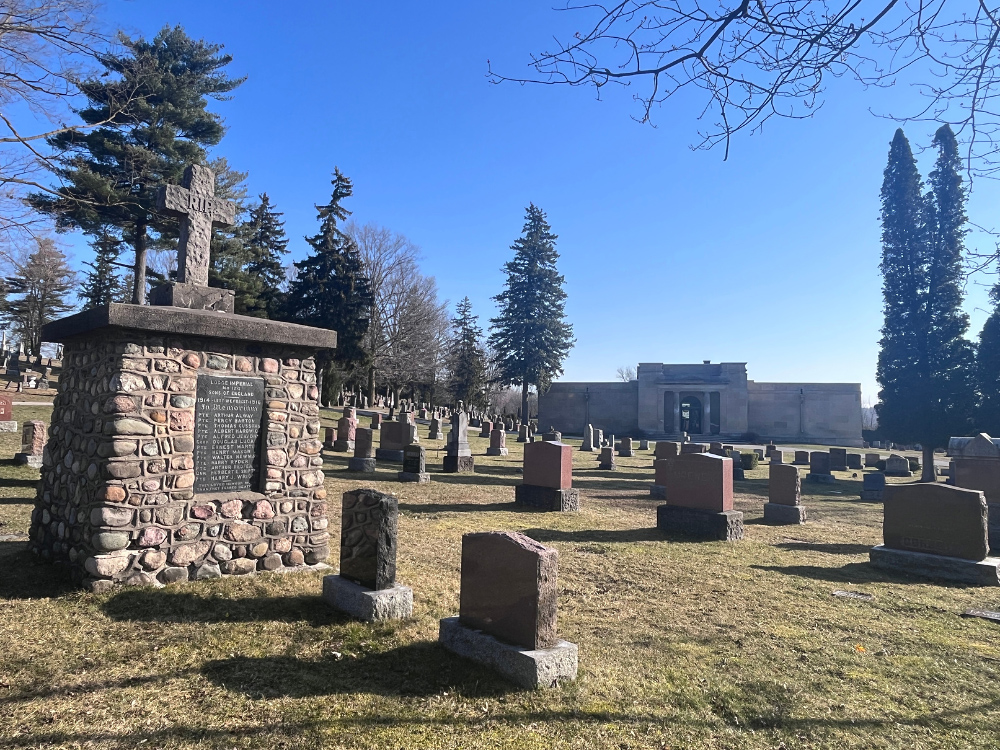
459	464
365	604
343	446
387	454
898	473
626	454
362	465
658	492
26	459
193	297
937	567
587	448
871	496
547	498
8	426
607	467
821	478
779	514
725	526
528	668
207	569
435	435
497	451
738	473
412	476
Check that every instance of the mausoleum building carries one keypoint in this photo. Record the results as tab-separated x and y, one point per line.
707	400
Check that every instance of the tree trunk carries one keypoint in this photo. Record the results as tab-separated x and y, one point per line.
927	471
139	275
371	386
319	386
525	416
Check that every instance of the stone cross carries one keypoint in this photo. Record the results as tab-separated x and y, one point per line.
195	203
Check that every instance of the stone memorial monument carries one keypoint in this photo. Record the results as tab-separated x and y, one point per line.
777	457
507	610
33	439
7	423
784	495
366	587
588	439
607	459
347	427
363	460
976	466
498	442
938	532
396	436
897	466
687	448
434	431
185	440
458	456
873	486
854	461
871	460
801	458
548	478
699	498
414	465
376	424
625	449
838	459
819	468
486	429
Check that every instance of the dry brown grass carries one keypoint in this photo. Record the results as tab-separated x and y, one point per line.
682	644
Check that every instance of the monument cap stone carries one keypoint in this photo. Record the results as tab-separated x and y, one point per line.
508	587
936	519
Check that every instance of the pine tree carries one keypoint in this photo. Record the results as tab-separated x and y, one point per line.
466	356
330	289
152	98
925	364
38	293
266	243
988	370
530	335
103	285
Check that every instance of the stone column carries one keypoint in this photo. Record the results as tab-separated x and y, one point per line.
706	413
675	428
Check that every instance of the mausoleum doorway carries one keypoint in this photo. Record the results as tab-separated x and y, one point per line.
691	411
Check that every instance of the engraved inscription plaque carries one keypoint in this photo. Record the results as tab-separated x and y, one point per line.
227	427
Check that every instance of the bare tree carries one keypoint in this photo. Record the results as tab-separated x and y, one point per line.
869	417
626	373
38	291
751	60
409	324
46	47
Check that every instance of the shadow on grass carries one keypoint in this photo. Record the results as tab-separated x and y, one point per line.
417	669
856	572
476	478
157	605
597	535
509	507
27	577
27	484
831	548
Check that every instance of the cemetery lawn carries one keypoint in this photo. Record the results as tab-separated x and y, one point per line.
682	644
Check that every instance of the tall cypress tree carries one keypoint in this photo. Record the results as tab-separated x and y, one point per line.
153	101
925	365
103	285
466	357
530	336
330	289
988	370
266	243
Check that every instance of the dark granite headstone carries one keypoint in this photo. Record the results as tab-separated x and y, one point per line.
936	519
838	459
414	459
509	588
368	530
227	433
819	462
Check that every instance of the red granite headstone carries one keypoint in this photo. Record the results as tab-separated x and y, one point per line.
5	409
700	480
509	587
935	519
784	486
548	464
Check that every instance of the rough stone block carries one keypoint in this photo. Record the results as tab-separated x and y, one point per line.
459	464
547	498
984	572
368	530
368	605
8	426
703	524
528	668
361	465
778	513
193	297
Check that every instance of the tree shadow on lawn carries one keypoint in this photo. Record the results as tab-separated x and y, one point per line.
856	572
830	548
509	507
27	577
417	669
651	534
27	484
157	605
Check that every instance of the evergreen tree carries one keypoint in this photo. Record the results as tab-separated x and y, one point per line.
103	284
266	244
152	98
466	356
39	292
530	335
330	289
988	370
925	364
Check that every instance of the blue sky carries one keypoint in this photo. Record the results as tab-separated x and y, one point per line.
669	255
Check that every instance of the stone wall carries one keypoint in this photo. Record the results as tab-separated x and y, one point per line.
569	407
822	413
116	500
